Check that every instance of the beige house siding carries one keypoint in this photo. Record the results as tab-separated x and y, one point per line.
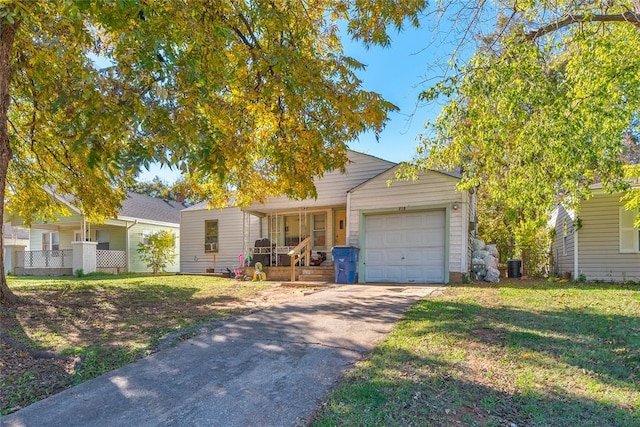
432	190
599	242
230	238
562	246
333	186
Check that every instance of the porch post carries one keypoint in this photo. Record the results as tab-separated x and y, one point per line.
84	256
11	251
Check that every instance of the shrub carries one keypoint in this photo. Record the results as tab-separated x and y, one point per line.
158	251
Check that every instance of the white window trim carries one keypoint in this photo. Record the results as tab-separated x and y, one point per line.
145	236
625	228
49	241
213	247
314	230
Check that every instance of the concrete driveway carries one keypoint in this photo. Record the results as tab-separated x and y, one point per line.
270	368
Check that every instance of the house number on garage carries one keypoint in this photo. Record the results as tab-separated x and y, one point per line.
402	209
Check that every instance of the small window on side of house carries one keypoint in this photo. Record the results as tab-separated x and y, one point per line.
51	241
211	236
629	234
145	236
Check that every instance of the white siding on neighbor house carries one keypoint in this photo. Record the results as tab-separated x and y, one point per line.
230	238
136	233
599	242
432	191
333	186
562	246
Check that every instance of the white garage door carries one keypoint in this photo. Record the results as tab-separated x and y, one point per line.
405	247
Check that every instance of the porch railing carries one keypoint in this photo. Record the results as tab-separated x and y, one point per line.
299	253
57	258
111	259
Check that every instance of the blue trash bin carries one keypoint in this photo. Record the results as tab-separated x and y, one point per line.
345	260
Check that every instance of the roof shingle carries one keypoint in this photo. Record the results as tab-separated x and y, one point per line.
141	206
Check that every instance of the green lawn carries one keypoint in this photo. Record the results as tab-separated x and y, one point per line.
515	353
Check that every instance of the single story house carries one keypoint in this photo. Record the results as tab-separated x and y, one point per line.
599	242
55	246
407	232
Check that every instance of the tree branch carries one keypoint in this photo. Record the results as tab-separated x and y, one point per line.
629	16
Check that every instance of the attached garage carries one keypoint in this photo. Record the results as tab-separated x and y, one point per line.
405	247
411	231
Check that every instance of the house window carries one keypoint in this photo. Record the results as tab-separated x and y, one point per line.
51	241
319	231
294	230
145	236
629	235
77	236
211	236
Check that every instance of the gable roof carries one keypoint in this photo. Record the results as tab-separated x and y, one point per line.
359	167
452	174
141	206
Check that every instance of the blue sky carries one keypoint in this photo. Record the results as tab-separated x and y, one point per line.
399	72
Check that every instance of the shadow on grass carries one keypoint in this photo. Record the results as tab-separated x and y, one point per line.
454	361
92	324
385	393
542	284
608	345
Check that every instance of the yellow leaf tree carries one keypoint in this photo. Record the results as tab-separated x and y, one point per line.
250	98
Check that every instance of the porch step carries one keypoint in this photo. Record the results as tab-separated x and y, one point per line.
322	273
316	278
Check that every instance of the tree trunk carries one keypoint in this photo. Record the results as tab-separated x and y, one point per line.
7	36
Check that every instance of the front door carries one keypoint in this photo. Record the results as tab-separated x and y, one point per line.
340	227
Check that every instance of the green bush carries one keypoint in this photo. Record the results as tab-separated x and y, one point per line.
158	251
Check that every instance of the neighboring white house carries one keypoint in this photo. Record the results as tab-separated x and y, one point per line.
600	243
408	232
52	243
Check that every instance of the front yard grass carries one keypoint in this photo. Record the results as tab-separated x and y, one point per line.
511	354
73	329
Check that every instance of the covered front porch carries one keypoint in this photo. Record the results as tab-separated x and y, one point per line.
67	247
60	262
294	242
